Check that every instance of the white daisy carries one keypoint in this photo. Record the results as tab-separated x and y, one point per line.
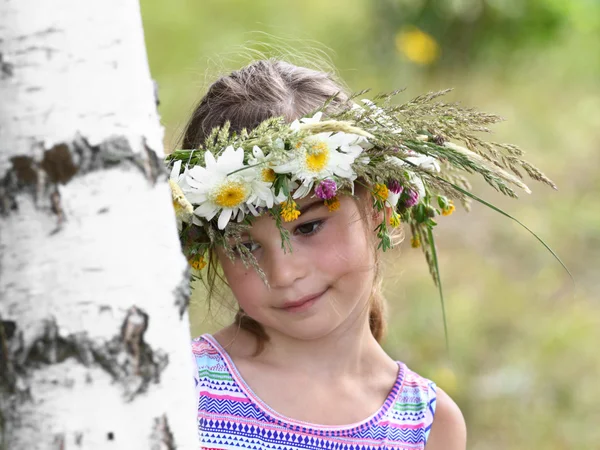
220	186
295	125
262	185
317	157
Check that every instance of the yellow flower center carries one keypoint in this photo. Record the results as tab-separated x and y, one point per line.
317	158
230	194
268	175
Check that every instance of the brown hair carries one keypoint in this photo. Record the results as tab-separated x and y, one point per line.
263	89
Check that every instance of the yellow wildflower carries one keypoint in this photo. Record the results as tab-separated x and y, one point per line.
289	211
380	192
448	209
333	204
395	220
198	263
416	45
415	242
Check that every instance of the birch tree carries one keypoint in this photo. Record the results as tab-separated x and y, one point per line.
94	337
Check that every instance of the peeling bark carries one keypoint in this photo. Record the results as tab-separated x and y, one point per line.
61	163
126	357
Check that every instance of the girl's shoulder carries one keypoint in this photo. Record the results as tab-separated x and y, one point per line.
444	423
415	403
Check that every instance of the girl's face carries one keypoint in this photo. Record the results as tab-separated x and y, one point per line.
323	285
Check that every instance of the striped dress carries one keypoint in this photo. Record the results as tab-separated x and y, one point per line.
231	416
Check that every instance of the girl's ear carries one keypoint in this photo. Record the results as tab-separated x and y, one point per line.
378	216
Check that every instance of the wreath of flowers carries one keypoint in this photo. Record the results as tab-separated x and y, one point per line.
412	157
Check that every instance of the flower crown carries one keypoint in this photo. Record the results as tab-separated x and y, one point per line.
405	155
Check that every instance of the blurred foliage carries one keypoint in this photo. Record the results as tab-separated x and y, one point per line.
523	362
468	30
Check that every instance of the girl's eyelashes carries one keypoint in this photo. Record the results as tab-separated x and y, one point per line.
306	229
251	246
309	228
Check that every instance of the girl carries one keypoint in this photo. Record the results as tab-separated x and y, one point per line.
296	235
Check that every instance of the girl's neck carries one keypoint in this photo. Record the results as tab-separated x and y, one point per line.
351	350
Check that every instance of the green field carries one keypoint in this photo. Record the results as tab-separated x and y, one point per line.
524	363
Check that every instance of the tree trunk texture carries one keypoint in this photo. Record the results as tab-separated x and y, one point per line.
94	336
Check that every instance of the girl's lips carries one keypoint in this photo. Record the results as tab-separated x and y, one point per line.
302	304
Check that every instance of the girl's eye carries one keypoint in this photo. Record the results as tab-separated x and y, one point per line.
309	228
251	246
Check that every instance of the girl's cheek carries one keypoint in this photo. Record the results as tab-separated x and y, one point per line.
245	283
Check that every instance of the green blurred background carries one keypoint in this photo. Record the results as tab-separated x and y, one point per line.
524	362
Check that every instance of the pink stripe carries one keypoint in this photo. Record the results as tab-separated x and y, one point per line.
225	397
403	425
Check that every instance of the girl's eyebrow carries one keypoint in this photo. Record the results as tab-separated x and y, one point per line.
303	210
315	204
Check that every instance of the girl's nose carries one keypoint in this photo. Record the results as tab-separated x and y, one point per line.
284	268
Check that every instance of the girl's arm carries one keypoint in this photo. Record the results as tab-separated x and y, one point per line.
448	431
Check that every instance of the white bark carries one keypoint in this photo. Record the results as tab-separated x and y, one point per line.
86	236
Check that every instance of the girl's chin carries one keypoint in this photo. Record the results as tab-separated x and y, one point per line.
309	329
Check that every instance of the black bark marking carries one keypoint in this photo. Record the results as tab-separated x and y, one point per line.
24	170
58	164
57	209
64	161
132	334
7	331
42	33
6	68
162	437
129	360
59	441
183	292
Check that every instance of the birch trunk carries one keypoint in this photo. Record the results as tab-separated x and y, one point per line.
94	337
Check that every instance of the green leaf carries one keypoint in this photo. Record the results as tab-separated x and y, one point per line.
439	283
284	186
277	185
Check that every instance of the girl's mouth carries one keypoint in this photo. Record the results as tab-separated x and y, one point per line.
303	303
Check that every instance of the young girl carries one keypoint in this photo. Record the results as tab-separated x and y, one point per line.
298	241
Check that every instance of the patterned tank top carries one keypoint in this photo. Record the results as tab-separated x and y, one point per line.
231	416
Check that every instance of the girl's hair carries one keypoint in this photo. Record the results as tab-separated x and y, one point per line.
245	98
